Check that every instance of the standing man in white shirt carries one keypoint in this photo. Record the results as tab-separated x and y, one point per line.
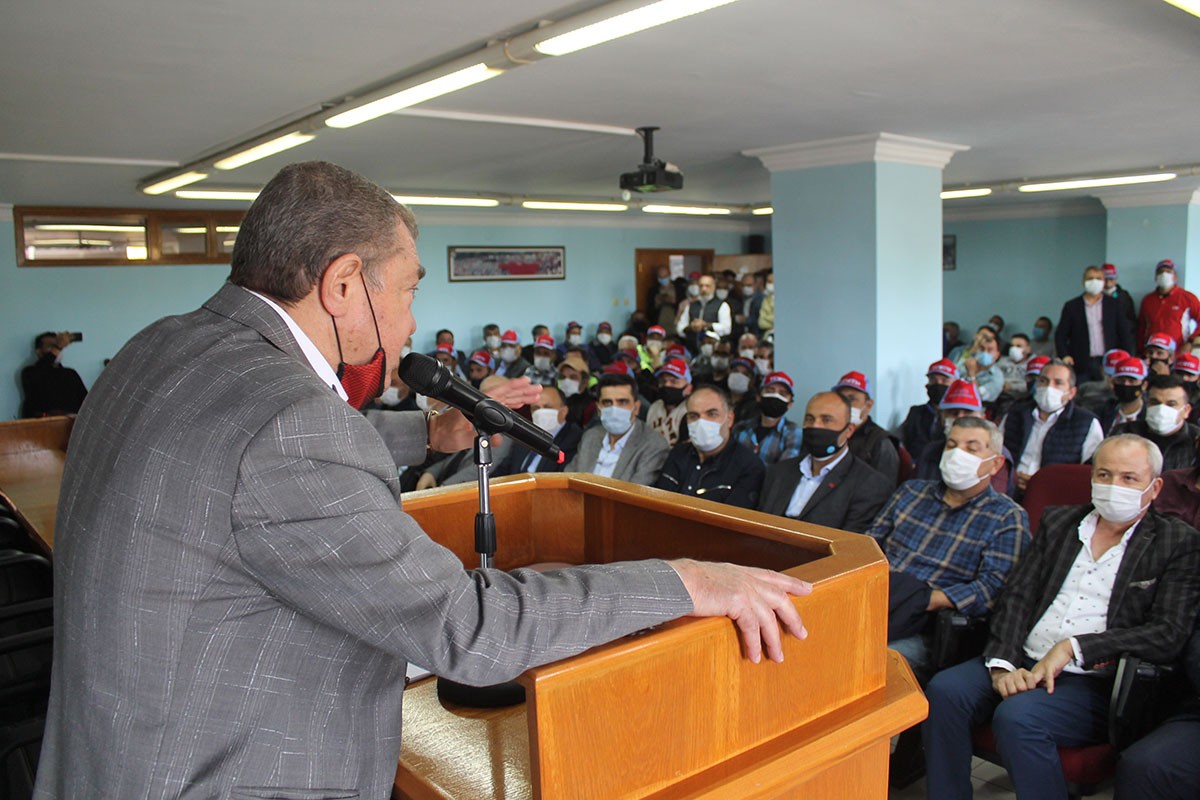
1099	580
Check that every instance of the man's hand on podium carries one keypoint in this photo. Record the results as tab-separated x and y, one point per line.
757	600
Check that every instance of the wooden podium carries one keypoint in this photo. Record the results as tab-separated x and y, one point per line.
676	712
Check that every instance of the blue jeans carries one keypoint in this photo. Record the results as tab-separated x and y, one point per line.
915	650
1029	728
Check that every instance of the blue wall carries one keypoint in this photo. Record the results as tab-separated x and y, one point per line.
1020	269
110	304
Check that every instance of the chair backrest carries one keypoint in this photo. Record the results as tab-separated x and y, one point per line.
1056	485
907	469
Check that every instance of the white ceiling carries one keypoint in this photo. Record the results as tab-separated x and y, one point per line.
1036	88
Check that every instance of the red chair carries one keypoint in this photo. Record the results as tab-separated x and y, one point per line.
1056	485
907	469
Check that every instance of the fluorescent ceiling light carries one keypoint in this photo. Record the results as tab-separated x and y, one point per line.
95	227
1093	183
174	182
703	211
763	211
542	205
136	252
89	242
1190	6
215	194
624	24
530	122
471	202
278	145
958	194
414	95
220	229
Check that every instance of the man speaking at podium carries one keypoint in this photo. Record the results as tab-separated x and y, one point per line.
237	588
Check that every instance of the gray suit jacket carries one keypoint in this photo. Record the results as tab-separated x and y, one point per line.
237	590
641	459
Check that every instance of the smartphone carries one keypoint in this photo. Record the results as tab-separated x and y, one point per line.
76	337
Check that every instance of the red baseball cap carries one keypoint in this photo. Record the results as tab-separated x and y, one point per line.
944	367
1133	368
445	347
483	358
1161	340
619	367
604	326
854	380
545	341
677	367
677	350
1034	367
782	378
653	329
510	337
1166	263
1186	362
1112	358
1110	271
961	394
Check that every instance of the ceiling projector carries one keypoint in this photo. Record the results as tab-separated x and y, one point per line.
653	174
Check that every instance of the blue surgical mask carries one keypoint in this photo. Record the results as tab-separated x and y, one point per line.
1039	334
984	358
616	420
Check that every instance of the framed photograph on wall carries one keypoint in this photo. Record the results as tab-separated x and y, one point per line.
507	263
949	252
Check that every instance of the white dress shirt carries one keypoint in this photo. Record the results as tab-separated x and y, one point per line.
1094	312
315	359
1081	605
1031	458
809	483
606	459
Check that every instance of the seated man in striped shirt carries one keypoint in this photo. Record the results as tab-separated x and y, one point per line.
950	542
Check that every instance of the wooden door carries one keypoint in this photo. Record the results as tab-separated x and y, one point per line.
648	261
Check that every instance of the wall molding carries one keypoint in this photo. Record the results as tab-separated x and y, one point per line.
6	211
1161	196
638	220
1082	207
865	148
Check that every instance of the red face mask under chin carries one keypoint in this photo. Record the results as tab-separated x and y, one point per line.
362	382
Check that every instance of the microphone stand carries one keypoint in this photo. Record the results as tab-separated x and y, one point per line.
510	692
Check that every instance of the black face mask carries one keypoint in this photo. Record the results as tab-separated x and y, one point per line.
670	395
936	392
1126	394
821	442
773	407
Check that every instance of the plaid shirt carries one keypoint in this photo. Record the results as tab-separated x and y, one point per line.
966	552
783	441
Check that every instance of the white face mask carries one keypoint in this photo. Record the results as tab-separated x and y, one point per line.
654	345
706	350
1163	419
574	338
424	403
722	294
1117	503
616	420
739	383
390	396
770	288
693	290
856	415
493	342
762	365
747	291
1016	353
1093	286
604	338
508	354
706	435
546	419
541	363
746	352
960	469
1164	280
568	386
1048	398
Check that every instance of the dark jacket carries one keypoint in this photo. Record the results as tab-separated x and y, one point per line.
1178	449
51	389
735	476
1064	441
1071	336
567	440
849	497
874	445
1110	411
919	428
1153	602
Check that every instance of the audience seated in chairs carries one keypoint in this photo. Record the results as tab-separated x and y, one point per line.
1098	581
1166	422
772	436
869	442
923	422
622	446
961	400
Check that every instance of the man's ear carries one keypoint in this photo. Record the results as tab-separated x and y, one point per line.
338	284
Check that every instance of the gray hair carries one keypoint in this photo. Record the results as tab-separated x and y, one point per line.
308	215
1153	454
995	438
1058	362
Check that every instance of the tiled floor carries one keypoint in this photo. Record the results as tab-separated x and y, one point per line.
991	783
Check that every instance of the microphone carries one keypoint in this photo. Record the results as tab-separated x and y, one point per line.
427	376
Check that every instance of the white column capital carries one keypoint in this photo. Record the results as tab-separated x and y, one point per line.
1134	196
866	148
